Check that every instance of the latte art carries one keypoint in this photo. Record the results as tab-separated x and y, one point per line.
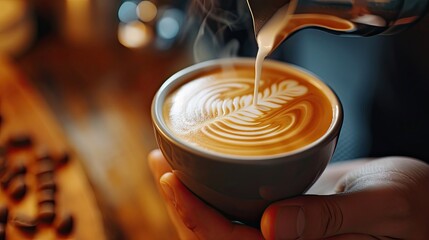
216	112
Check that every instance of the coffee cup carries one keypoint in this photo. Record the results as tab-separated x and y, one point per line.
239	157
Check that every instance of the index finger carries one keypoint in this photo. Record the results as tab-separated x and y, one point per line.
158	164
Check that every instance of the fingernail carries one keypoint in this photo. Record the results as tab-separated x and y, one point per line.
290	222
168	192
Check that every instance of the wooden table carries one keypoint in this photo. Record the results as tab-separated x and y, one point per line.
32	143
100	97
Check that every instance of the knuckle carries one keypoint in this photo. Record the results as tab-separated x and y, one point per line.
332	218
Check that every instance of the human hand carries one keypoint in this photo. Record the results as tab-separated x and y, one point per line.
374	200
385	198
192	218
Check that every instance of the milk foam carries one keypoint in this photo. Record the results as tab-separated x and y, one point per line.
216	112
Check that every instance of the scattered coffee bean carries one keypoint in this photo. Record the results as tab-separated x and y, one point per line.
46	195
18	188
6	178
44	176
19	169
11	173
44	166
46	181
48	185
24	223
13	180
2	231
65	225
46	213
63	160
4	213
20	141
43	154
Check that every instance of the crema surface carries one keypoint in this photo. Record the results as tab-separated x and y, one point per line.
215	111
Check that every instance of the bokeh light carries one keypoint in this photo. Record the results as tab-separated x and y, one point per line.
146	11
143	22
127	12
168	26
134	34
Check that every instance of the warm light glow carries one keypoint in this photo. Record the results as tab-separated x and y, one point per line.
16	27
127	12
134	34
10	12
146	11
78	20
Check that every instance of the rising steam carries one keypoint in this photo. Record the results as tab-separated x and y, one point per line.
217	21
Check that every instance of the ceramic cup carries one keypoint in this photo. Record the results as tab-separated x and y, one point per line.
242	187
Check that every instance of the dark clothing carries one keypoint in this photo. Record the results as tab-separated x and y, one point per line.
400	115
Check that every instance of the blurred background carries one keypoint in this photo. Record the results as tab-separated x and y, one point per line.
98	63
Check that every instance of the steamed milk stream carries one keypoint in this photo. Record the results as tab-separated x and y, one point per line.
282	24
266	40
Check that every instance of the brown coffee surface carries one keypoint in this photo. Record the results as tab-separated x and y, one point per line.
215	111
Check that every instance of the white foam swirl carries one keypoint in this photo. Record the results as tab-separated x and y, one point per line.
220	114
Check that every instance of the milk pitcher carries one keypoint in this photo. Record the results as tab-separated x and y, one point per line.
368	17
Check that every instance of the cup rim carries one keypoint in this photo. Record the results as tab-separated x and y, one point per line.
179	77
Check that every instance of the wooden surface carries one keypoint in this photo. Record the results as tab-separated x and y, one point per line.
24	112
93	98
100	98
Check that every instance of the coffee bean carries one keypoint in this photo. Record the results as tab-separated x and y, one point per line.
65	225
63	160
43	154
4	213
20	141
48	185
46	195
6	178
19	169
44	166
17	188
46	181
46	213
24	223
11	173
45	176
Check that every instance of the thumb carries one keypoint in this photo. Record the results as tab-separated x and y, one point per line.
315	217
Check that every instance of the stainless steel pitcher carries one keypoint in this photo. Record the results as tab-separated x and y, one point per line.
371	17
